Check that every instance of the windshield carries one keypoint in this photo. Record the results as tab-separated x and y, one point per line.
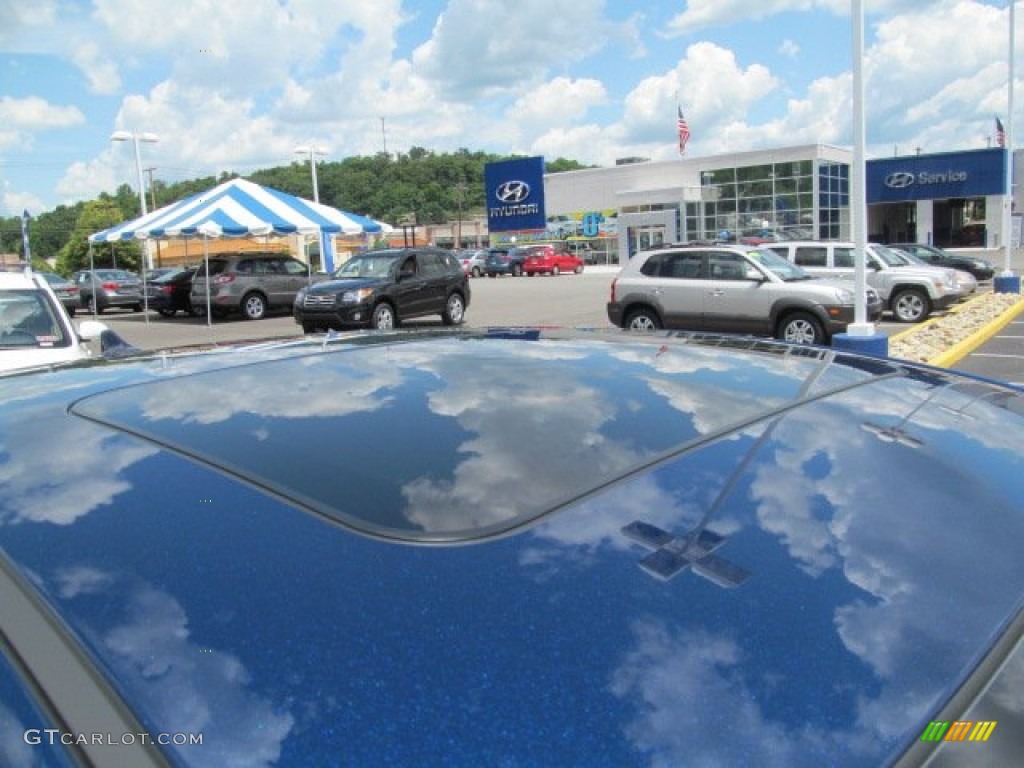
367	266
781	267
28	320
888	256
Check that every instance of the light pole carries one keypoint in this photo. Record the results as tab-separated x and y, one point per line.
135	138
312	150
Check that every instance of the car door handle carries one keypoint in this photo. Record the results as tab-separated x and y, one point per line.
716	292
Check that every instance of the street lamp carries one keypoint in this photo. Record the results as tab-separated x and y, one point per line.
135	138
312	150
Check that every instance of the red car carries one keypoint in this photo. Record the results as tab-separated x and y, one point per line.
546	259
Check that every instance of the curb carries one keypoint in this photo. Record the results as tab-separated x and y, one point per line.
965	346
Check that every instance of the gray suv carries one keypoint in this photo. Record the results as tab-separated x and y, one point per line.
732	289
251	283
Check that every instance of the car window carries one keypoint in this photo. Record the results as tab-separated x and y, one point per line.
842	257
811	256
727	266
295	267
778	265
408	267
685	266
431	264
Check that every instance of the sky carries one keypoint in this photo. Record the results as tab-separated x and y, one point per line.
237	85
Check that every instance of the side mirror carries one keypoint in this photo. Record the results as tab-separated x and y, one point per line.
754	274
90	330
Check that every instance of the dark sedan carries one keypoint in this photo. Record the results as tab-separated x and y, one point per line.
404	549
380	289
170	292
937	257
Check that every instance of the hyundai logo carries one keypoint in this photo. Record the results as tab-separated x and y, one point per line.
899	180
512	191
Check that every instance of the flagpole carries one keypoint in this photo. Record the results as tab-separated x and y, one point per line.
1008	197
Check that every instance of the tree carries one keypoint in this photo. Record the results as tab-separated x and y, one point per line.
96	216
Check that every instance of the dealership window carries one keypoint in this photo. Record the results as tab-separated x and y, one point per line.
833	199
747	200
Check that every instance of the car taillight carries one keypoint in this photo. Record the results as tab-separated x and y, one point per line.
612	297
72	289
166	289
109	286
223	279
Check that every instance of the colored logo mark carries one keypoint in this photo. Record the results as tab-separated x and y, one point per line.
959	730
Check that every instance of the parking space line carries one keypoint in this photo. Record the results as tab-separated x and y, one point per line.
994	354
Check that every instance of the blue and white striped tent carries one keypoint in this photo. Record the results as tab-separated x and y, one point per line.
240	208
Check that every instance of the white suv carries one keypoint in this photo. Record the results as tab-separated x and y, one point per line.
35	329
911	293
733	289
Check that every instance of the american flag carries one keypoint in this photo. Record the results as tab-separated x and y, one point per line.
684	131
1000	133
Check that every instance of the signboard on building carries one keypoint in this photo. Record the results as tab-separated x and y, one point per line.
515	194
974	173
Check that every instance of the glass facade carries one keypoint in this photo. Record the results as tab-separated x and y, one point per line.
833	201
743	202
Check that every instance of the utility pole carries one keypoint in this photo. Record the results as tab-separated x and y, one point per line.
383	136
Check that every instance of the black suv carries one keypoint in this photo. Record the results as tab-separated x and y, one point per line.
379	289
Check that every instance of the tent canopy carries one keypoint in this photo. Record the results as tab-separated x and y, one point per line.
240	208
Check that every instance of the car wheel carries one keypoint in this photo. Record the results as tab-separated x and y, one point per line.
476	272
310	328
383	318
642	320
517	270
90	306
579	269
136	307
254	306
71	311
801	328
167	311
198	310
555	271
454	311
911	305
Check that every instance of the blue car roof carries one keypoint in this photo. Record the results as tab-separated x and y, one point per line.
462	550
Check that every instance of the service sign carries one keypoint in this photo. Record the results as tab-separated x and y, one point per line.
974	173
515	194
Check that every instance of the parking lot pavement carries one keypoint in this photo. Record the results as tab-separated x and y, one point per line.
1001	357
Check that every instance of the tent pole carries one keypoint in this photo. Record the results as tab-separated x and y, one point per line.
206	261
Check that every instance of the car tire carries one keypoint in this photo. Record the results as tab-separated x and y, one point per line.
136	307
642	320
254	306
310	328
91	308
71	311
911	305
167	312
383	317
579	269
475	272
530	274
454	310
517	270
801	328
555	271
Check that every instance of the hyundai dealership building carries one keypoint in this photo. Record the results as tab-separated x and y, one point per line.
951	199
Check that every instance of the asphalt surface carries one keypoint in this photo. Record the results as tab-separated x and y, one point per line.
1001	357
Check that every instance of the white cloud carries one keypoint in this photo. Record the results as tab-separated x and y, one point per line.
34	113
98	68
